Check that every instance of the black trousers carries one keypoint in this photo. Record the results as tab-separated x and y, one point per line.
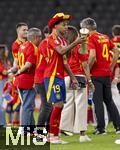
118	86
46	108
103	94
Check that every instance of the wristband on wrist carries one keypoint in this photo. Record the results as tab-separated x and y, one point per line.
90	81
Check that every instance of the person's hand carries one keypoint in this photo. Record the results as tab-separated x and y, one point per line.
115	81
80	40
91	85
17	73
12	70
84	32
74	85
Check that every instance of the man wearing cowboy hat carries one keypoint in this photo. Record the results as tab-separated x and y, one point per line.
54	71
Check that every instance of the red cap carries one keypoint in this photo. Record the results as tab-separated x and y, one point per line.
58	17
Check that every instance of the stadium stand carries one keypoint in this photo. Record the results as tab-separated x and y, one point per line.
37	12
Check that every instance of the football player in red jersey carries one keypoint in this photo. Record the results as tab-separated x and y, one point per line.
12	102
99	47
27	56
116	41
21	29
54	71
46	108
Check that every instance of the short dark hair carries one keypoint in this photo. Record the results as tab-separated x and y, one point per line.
46	29
21	24
71	34
116	30
88	23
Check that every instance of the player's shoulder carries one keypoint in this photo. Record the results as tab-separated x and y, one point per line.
17	42
30	48
116	39
28	44
99	36
105	36
44	41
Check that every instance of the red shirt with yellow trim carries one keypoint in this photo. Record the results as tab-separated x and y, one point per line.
10	88
116	66
116	41
15	47
75	60
41	62
102	45
55	65
27	53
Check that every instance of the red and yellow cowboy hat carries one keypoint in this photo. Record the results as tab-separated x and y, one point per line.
57	18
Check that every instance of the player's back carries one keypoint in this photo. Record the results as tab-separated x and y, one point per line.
102	45
41	61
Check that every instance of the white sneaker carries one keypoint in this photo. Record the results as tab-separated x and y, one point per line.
59	142
117	141
118	132
56	140
84	138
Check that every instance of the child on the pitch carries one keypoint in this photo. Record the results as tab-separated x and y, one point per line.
11	102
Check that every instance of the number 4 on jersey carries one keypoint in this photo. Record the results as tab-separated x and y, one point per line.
105	52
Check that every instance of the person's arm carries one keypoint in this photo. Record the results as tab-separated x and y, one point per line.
74	81
64	50
14	68
26	67
116	75
15	63
87	73
115	58
92	58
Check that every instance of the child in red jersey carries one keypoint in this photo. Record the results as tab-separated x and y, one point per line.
11	102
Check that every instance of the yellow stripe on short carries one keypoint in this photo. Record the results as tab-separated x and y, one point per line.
51	81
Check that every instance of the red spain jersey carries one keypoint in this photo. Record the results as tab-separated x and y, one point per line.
102	45
116	41
27	53
15	47
41	62
55	65
75	60
116	66
8	87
